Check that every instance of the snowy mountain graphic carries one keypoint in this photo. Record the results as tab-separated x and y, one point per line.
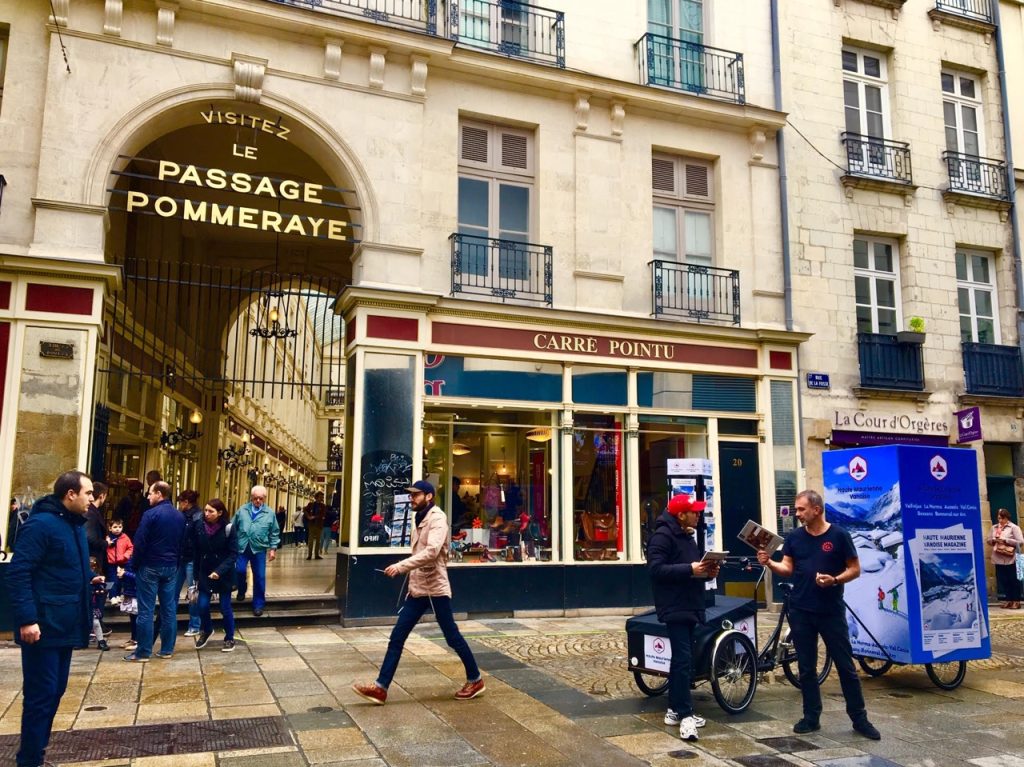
882	512
933	576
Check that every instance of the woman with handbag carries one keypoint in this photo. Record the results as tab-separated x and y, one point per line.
214	548
1006	540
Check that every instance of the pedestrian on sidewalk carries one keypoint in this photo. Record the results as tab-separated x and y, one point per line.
97	601
678	577
188	505
819	558
314	515
258	541
327	533
1006	540
299	527
119	551
48	584
428	588
213	549
155	560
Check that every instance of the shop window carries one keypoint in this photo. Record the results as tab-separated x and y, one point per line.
598	487
976	291
664	390
493	474
599	386
446	375
683	209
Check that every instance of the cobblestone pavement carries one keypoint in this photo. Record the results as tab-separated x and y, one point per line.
558	694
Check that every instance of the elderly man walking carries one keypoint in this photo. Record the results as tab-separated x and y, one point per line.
48	584
155	560
258	540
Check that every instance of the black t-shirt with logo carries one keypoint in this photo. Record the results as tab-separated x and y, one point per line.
812	554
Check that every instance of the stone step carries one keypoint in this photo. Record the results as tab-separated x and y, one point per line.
278	611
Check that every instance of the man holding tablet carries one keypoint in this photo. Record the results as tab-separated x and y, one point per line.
678	575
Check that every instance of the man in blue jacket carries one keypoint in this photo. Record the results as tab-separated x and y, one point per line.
677	580
48	587
155	558
258	540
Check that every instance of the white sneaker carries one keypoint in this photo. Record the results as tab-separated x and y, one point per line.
672	718
688	729
192	633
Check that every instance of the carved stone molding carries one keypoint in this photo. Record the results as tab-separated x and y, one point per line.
758	138
165	15
113	13
378	58
60	12
582	111
618	118
418	71
248	72
332	58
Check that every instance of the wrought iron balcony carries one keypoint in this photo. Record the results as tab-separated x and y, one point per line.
418	15
877	158
334	396
695	292
969	174
511	28
691	67
993	370
976	10
505	269
885	363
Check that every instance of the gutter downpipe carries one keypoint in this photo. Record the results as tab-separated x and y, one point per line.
1011	185
787	278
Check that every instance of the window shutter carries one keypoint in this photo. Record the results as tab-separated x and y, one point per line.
728	393
696	180
663	173
515	151
474	144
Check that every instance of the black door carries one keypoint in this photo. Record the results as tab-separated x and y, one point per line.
1001	495
739	499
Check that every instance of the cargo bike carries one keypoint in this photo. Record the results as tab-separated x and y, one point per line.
725	652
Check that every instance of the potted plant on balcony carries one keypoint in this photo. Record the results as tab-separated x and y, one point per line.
915	335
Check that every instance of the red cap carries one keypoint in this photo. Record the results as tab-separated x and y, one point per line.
680	503
376	518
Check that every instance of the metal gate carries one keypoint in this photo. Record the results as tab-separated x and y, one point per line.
214	328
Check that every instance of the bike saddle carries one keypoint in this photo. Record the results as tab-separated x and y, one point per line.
785	586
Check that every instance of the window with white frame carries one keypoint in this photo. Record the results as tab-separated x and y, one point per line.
877	285
496	176
683	210
961	110
976	297
865	92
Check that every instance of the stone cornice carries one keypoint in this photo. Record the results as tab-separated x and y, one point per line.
63	267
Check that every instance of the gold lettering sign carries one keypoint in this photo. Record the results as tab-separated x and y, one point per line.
215	116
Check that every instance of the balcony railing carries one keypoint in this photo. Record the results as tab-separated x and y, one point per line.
334	397
976	175
878	158
695	292
418	15
514	29
978	10
993	370
691	67
505	269
885	363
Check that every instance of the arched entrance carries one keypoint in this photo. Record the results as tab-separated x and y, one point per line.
222	359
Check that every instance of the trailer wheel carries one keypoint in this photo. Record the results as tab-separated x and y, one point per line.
947	676
733	671
650	684
873	666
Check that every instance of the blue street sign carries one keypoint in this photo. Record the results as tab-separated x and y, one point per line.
818	381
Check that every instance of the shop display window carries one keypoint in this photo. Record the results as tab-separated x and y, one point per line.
598	487
599	386
446	375
493	474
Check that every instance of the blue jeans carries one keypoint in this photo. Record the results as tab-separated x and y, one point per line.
412	610
325	538
258	560
150	583
44	672
805	627
226	613
680	670
185	577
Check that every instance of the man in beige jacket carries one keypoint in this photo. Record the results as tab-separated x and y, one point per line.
428	588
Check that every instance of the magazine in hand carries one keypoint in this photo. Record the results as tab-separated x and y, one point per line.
758	537
714	556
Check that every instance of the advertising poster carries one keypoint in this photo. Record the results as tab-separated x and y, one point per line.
400	525
914	515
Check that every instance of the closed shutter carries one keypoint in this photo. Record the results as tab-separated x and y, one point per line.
663	174
474	145
726	393
783	431
697	180
515	151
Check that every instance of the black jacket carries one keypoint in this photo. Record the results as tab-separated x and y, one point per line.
47	582
96	534
678	596
213	554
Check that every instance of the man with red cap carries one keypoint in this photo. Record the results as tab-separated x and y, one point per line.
677	580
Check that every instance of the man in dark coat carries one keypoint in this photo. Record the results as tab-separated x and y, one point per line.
677	580
96	525
48	584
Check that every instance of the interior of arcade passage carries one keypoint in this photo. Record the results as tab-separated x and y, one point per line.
525	477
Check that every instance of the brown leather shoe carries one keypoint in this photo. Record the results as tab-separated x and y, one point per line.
373	693
470	690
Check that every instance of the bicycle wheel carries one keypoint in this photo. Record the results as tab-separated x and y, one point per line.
650	684
733	671
873	666
947	676
789	664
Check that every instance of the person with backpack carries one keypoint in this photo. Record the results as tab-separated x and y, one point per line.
213	549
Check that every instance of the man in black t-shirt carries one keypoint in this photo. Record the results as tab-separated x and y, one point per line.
820	557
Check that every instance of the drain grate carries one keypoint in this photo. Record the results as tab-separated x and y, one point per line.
159	739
